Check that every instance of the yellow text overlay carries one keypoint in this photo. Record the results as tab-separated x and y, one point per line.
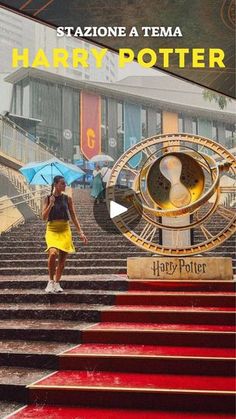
146	57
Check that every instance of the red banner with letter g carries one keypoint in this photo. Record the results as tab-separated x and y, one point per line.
90	124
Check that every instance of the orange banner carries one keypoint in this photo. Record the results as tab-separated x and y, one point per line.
90	124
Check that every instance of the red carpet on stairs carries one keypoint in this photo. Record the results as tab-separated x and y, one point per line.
158	353
59	412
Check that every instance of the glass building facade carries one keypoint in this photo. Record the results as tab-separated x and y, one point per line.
57	106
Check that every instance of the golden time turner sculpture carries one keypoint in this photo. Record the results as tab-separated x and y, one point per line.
175	177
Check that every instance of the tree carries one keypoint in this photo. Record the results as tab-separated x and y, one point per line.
221	100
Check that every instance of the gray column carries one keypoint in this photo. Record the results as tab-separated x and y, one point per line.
221	133
151	119
67	115
188	128
112	146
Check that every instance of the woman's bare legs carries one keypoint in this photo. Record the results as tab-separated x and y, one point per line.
60	265
52	256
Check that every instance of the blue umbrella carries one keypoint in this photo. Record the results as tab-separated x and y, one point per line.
42	173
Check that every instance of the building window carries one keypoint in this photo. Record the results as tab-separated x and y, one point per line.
181	123
195	126
230	135
26	99
158	123
120	117
104	123
18	102
215	135
144	123
120	127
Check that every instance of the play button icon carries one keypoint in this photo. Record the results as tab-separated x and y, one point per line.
117	204
116	209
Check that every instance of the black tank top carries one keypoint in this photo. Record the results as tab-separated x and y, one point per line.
60	210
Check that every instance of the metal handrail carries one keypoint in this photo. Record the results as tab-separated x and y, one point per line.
15	224
27	134
19	182
15	204
26	193
16	144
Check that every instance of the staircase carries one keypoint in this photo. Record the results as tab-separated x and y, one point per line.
108	346
106	252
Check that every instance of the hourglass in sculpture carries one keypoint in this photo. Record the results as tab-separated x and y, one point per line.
171	168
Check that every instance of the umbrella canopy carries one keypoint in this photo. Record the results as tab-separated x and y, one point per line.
42	173
101	158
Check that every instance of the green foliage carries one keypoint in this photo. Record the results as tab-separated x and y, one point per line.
221	100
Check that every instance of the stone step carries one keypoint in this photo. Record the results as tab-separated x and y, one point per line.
81	258
157	359
153	334
38	283
42	330
13	381
45	355
18	248
39	296
18	263
97	224
120	298
88	229
31	353
8	407
92	235
111	240
89	270
68	271
41	255
114	333
90	249
86	214
91	228
99	239
133	314
70	263
142	390
35	255
93	248
34	411
116	283
97	211
62	311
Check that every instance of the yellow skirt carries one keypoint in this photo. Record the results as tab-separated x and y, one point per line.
58	235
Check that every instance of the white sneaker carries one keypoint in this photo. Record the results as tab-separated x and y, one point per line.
50	286
57	287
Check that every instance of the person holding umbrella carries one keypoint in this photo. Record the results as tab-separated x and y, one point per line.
105	173
97	187
101	176
56	210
